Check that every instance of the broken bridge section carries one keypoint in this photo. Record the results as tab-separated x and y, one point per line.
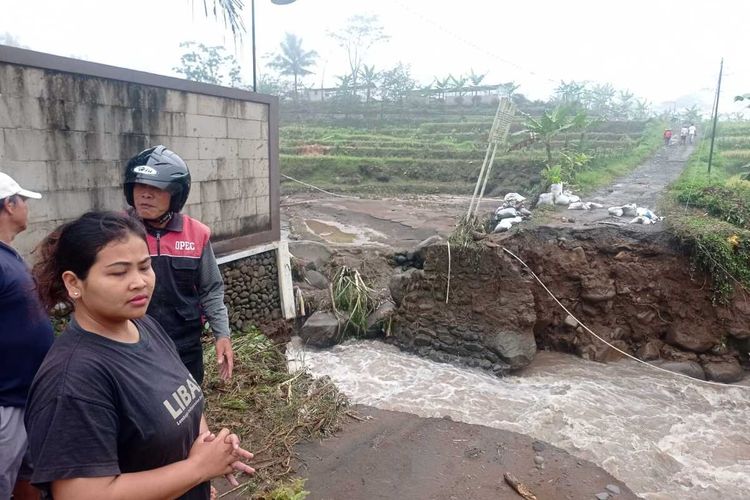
637	290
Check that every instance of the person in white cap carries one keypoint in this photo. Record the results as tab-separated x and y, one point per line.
25	337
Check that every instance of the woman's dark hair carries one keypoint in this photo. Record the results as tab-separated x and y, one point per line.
74	247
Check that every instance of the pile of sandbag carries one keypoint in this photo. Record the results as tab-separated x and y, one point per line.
641	215
512	211
557	196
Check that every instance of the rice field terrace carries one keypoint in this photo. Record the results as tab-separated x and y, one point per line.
439	154
711	212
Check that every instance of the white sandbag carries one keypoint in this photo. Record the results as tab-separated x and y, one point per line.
501	228
616	211
577	205
504	213
556	189
546	199
513	198
525	212
593	205
562	200
642	220
645	212
515	220
629	210
574	198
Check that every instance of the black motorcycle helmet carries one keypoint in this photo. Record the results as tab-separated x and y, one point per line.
161	168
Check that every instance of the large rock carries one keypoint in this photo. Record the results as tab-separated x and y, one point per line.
316	279
693	339
650	350
321	329
432	240
724	371
516	348
379	317
310	252
606	354
689	368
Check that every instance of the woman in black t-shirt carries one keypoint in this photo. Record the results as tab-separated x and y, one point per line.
113	412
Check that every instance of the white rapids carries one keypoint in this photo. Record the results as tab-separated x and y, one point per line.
665	437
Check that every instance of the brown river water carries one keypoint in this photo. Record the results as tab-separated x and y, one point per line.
665	437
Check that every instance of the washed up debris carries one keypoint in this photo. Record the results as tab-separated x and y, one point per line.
546	199
584	205
519	487
641	215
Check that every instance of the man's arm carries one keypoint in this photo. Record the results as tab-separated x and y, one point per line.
211	292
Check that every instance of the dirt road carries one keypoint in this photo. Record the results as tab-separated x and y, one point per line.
644	186
404	222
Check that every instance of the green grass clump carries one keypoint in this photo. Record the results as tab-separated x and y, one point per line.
709	213
353	298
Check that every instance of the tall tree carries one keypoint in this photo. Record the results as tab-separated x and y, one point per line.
360	34
208	64
396	83
293	60
369	79
476	78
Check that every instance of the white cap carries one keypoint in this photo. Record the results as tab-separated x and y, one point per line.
9	187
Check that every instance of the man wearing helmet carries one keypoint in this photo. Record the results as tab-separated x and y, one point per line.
188	281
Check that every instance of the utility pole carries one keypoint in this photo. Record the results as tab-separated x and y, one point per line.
716	117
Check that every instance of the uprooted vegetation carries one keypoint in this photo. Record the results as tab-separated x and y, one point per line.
271	410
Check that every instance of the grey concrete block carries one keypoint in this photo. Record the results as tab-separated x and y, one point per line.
263	205
206	126
186	147
253	149
195	211
21	112
195	194
254	111
213	106
243	129
29	174
229	168
203	170
211	149
83	174
177	101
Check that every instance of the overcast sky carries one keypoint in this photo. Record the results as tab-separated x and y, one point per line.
659	50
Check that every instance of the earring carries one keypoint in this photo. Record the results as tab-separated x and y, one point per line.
75	294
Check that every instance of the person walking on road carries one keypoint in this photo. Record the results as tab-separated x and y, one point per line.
683	135
691	133
667	136
188	280
25	339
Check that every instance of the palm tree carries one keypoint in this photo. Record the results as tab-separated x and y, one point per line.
552	123
441	85
508	88
230	11
293	60
369	79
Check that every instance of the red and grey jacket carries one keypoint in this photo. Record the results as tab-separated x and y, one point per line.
188	283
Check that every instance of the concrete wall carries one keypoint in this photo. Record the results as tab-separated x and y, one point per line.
67	128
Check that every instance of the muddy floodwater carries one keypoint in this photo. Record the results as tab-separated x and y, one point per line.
665	437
